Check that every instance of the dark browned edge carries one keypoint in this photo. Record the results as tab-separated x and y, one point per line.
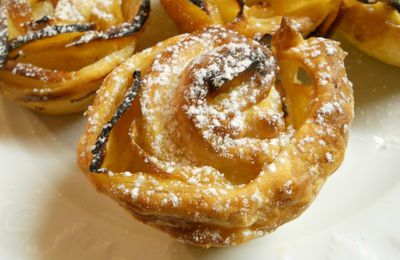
99	150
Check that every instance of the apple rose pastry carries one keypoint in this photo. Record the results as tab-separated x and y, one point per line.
216	139
55	54
253	17
373	27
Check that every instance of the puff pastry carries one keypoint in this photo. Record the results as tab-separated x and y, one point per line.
55	54
373	27
253	17
198	138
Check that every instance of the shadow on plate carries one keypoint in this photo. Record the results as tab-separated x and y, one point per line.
79	223
24	125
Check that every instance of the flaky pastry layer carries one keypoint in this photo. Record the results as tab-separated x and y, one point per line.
253	18
217	139
55	54
373	28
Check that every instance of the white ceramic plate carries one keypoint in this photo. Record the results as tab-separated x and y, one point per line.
48	210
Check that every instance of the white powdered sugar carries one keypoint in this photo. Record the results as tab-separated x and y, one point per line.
66	10
221	65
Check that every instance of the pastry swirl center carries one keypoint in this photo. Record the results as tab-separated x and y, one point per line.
217	105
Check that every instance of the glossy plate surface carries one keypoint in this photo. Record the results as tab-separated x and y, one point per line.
48	210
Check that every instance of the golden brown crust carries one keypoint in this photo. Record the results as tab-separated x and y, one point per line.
373	28
217	163
55	54
254	18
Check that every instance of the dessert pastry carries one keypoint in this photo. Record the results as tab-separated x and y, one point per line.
253	17
373	27
55	54
198	137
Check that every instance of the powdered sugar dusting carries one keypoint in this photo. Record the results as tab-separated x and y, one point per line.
3	36
66	10
210	107
217	67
